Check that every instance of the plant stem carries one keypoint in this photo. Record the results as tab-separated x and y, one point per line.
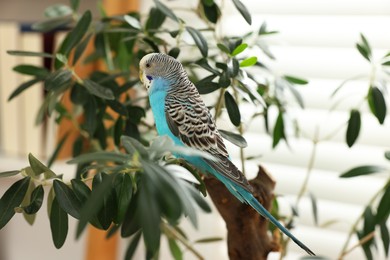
361	242
344	251
172	233
309	166
218	106
241	131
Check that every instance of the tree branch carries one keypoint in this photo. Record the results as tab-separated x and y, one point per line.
248	236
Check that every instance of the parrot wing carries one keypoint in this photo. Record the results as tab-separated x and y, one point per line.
190	120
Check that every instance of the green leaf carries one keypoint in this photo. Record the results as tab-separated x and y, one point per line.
248	62
223	48
224	80
33	70
108	205
362	170
133	146
377	104
263	30
132	246
58	224
295	80
155	19
80	48
240	48
212	12
243	11
369	223
198	199
174	52
234	138
90	114
363	51
208	240
208	2
366	246
207	87
58	79
233	67
67	199
74	4
205	81
49	202
204	64
52	23
98	90
387	155
296	95
57	10
11	199
167	11
386	63
75	36
23	87
62	58
118	107
199	40
175	249
132	21
278	133
353	129
364	48
313	200
25	202
81	190
94	203
383	210
36	201
9	173
100	156
131	222
124	190
161	187
385	237
118	129
30	53
40	168
232	108
149	214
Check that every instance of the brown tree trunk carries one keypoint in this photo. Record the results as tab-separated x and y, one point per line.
247	236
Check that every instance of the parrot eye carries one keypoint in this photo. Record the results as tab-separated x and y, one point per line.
147	65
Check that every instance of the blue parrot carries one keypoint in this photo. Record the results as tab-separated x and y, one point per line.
181	114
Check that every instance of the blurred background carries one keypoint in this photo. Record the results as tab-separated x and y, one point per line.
316	40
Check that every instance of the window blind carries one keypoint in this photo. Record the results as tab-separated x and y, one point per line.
316	41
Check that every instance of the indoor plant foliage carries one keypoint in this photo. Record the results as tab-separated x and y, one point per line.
137	188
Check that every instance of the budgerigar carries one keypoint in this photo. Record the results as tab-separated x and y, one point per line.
181	114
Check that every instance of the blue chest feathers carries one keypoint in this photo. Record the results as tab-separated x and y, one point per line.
157	95
157	99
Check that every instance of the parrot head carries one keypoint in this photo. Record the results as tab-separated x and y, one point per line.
158	65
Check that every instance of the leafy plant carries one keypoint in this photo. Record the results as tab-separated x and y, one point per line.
134	187
373	216
126	181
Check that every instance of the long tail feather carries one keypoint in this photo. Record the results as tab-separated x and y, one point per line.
246	196
259	208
